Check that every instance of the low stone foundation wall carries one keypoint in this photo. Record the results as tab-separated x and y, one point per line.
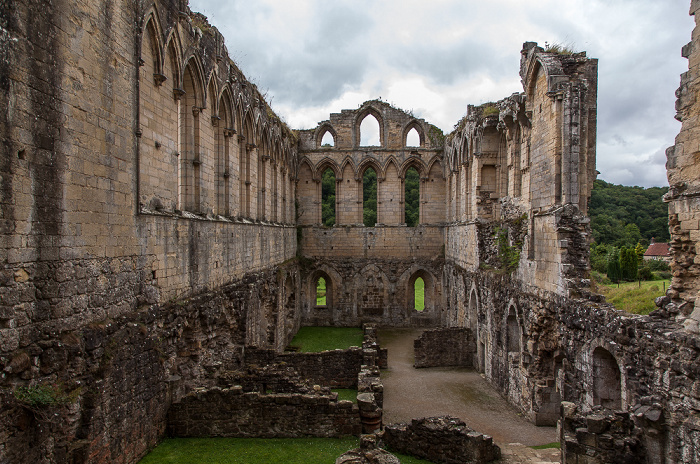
335	369
449	347
443	439
234	413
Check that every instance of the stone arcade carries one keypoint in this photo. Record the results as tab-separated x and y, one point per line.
161	228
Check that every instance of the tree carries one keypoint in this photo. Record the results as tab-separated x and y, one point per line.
628	263
640	250
614	271
625	216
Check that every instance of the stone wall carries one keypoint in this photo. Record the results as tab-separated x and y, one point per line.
684	194
454	346
336	369
442	439
362	290
233	413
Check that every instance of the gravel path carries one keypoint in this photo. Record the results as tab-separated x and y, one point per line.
412	393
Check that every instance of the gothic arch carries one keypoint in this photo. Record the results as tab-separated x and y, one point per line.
361	115
324	164
388	162
413	162
435	160
348	161
153	30
333	283
321	131
421	133
194	65
407	282
368	162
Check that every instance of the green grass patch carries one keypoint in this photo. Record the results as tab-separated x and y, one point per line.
255	451
555	444
349	394
633	297
316	339
419	292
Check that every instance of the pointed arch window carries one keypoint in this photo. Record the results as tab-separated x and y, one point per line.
419	294
413	138
412	197
369	197
327	140
328	198
369	132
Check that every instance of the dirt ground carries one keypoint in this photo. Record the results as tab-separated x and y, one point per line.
412	393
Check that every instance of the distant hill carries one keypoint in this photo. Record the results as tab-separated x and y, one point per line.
623	216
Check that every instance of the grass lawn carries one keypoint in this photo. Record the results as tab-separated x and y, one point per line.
419	294
255	451
315	339
632	298
349	394
547	446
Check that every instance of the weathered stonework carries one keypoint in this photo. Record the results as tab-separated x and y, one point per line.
161	235
450	347
442	439
233	413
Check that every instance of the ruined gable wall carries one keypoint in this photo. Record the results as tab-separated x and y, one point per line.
371	269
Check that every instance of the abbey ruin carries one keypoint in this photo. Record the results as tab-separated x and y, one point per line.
162	229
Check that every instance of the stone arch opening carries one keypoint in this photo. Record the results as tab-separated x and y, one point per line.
420	291
413	138
328	197
190	137
607	381
327	139
370	133
321	290
412	197
369	197
513	332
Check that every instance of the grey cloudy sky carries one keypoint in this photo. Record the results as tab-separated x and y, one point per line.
435	57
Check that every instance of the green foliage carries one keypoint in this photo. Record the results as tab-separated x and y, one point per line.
509	255
256	451
369	197
599	257
626	216
316	339
644	273
45	395
321	292
419	294
614	270
328	198
639	251
412	197
657	265
628	263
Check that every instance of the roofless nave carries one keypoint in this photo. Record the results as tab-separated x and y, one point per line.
161	226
